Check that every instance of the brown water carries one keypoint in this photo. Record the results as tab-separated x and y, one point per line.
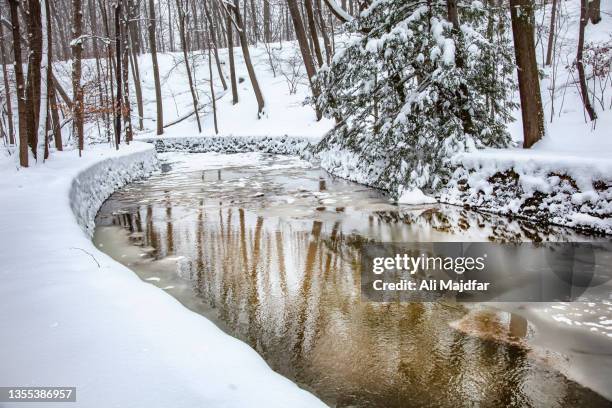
268	248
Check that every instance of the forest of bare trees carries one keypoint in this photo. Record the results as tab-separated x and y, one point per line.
39	113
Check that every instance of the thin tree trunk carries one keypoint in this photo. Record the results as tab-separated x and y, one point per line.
153	46
247	59
212	91
77	88
323	28
127	108
551	32
33	82
51	100
213	36
182	34
134	46
584	90
21	108
266	18
230	51
254	20
300	33
7	89
119	97
313	31
521	12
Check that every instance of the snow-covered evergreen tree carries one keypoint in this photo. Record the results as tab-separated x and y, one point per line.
410	91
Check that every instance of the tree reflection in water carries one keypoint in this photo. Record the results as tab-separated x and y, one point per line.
281	272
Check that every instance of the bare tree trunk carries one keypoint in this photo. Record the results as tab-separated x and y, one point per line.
595	11
21	108
266	18
300	33
247	59
323	28
521	12
153	46
32	93
60	32
453	14
551	32
7	89
584	20
212	32
127	108
51	100
77	88
182	34
118	98
313	31
133	18
230	51
212	91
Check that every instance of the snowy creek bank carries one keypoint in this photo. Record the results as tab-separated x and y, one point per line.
537	185
563	190
287	145
72	316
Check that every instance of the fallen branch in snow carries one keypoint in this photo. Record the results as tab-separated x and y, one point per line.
88	253
61	91
182	118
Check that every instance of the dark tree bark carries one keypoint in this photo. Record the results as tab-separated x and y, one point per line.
266	18
125	55
77	87
595	11
21	108
247	59
133	18
153	46
32	93
53	120
551	32
323	28
119	97
453	14
7	89
521	12
212	33
312	27
212	91
230	51
584	90
184	46
300	33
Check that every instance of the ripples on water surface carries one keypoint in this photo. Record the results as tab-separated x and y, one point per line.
268	248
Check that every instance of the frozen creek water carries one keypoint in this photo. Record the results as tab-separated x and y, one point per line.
268	248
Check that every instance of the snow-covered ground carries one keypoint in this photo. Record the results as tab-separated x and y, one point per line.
286	113
71	316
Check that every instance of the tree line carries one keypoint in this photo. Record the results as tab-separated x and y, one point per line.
36	34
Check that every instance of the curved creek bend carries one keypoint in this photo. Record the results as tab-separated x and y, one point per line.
268	248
